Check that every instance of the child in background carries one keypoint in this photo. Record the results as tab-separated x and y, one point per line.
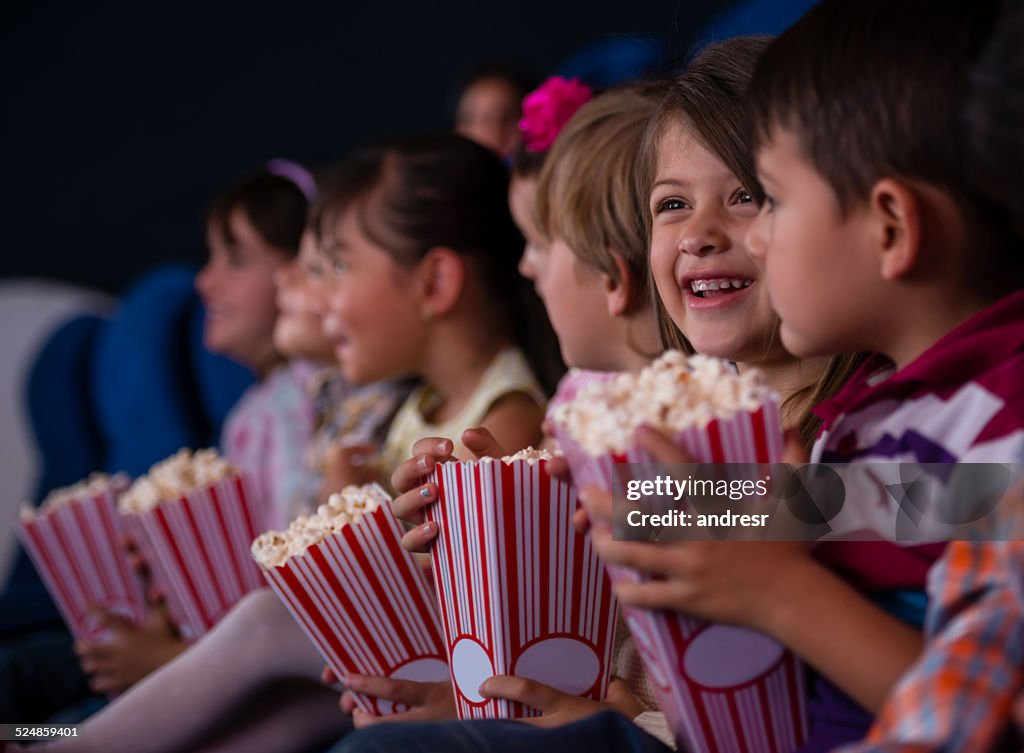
422	248
586	253
251	684
253	232
959	695
489	107
702	202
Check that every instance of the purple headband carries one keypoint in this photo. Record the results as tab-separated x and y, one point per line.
297	174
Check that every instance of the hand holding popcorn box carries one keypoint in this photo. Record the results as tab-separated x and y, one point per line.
193	518
357	594
723	689
521	592
75	542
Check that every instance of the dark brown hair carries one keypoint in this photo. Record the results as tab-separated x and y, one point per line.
274	205
416	194
874	89
708	99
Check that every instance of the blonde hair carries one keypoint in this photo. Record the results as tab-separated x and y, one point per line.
588	195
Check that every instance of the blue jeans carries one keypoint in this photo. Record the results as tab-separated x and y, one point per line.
608	731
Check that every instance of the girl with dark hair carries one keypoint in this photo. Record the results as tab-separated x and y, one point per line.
424	254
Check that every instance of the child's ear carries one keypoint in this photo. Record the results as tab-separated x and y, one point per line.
618	293
440	277
897	214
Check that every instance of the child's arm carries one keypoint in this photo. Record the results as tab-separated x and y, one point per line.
776	588
126	653
959	695
514	421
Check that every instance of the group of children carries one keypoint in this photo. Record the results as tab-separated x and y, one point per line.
834	207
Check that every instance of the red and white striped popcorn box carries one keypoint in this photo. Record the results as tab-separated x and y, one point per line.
723	689
521	591
78	552
197	549
366	605
745	437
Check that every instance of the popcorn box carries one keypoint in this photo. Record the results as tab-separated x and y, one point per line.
723	689
78	552
365	605
745	437
197	549
521	591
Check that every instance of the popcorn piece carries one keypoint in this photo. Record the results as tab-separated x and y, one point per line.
274	548
97	483
174	478
530	455
674	393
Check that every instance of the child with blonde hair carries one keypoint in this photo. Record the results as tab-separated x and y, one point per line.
586	254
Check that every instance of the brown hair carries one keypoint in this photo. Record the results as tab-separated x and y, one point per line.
275	206
588	195
416	194
875	90
708	99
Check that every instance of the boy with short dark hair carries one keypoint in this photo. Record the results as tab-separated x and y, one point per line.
873	239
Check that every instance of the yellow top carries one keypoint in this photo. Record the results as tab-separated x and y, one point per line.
509	372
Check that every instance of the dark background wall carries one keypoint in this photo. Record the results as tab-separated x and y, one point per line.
121	119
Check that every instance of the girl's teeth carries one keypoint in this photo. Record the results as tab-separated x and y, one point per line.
714	286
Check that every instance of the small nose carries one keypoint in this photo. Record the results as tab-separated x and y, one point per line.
704	234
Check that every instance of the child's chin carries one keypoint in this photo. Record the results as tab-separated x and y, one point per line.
800	346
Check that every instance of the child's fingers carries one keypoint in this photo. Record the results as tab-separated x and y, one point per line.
580	520
420	538
327	676
662	449
425	453
347	703
398	691
409	506
482	443
558	468
529	692
597	503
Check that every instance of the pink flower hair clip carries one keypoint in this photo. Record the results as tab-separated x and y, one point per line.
548	108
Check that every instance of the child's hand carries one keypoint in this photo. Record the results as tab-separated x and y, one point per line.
126	653
425	701
414	494
740	583
556	707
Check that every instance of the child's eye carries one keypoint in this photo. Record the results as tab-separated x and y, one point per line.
338	265
670	205
743	196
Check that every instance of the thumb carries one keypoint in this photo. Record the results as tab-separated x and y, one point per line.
108	620
482	443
